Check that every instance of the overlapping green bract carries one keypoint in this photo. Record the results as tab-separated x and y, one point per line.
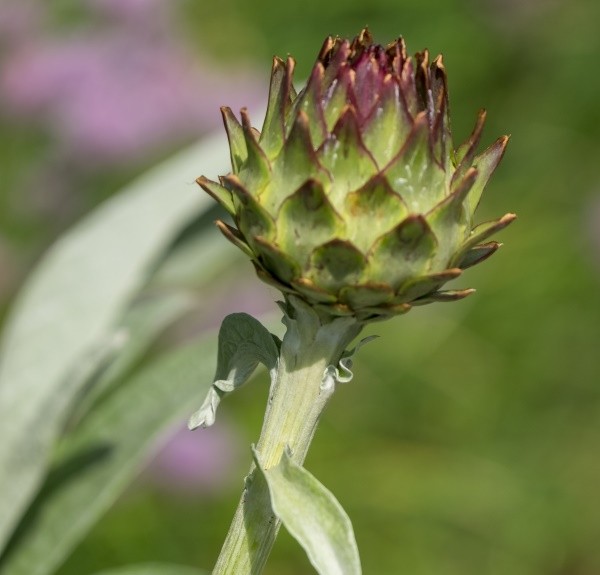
353	196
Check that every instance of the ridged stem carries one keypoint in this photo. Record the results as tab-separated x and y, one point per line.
296	401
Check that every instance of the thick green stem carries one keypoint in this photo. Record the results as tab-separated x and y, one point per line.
296	400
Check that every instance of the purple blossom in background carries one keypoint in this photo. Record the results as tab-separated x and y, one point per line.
195	463
244	295
115	94
17	21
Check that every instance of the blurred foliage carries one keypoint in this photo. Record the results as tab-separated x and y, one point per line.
468	441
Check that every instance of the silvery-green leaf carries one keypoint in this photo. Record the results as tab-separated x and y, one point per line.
184	267
138	329
243	343
105	451
313	516
71	303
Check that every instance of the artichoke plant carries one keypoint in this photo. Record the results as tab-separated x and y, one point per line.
353	197
353	201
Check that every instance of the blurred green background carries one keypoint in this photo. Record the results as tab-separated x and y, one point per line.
469	440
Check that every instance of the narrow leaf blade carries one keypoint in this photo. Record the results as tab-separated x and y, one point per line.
109	446
71	303
139	329
314	517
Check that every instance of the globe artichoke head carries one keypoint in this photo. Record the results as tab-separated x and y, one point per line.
352	196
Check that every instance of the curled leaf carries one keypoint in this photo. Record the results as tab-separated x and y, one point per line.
243	343
343	374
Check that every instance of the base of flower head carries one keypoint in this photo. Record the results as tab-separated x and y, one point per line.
414	293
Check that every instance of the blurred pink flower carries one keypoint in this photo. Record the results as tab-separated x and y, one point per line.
18	20
195	462
118	93
245	294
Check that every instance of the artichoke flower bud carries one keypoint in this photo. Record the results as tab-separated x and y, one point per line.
352	197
